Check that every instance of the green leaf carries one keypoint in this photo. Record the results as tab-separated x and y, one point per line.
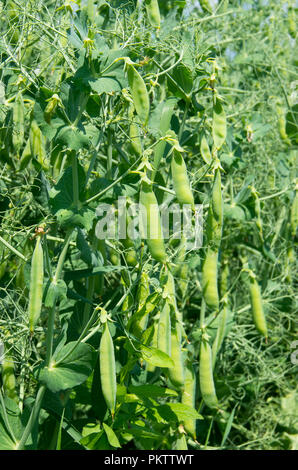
91	428
73	371
181	76
112	438
57	290
177	412
96	441
143	432
156	357
72	138
16	422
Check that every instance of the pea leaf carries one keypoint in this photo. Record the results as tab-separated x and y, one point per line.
56	290
112	438
156	357
177	412
72	371
181	81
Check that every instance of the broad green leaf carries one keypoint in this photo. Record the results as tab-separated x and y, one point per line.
89	256
156	357
180	81
177	412
96	441
91	428
73	371
57	290
16	421
112	438
72	137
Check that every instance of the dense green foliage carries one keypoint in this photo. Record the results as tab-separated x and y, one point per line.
141	344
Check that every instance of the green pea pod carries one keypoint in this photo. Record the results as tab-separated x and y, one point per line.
8	378
164	330
180	443
108	368
153	13
164	126
209	279
37	144
176	374
219	125
217	201
151	223
257	306
135	139
142	295
206	375
205	151
151	367
36	285
139	93
220	334
224	279
26	156
18	122
189	397
294	213
180	180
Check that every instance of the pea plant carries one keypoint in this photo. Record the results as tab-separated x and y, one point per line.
137	243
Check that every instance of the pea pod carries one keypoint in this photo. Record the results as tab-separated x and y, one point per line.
217	201
26	156
294	213
257	305
8	378
142	295
209	279
134	134
180	180
221	332
206	375
214	232
151	223
219	125
180	443
139	93
164	126
205	151
189	396
37	144
176	374
18	122
164	330
108	368
153	13
36	285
